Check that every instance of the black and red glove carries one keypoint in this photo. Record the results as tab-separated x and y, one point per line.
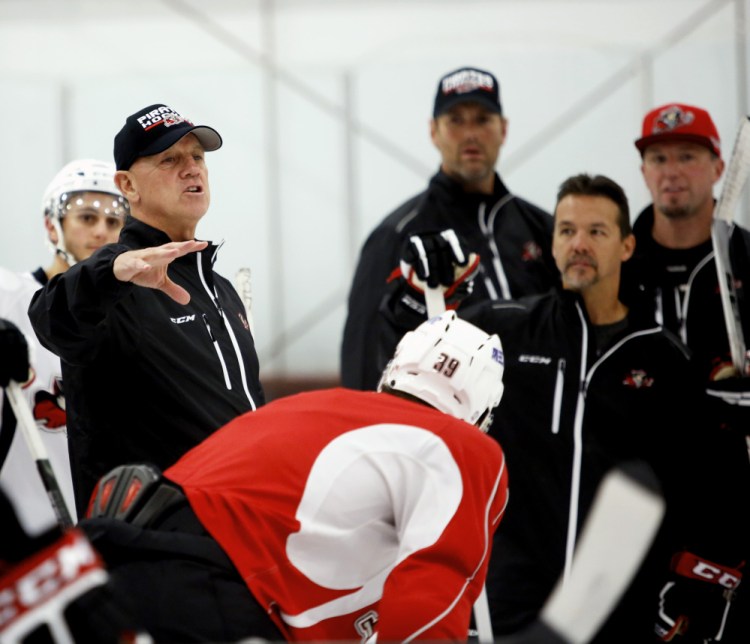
695	602
439	260
14	354
54	588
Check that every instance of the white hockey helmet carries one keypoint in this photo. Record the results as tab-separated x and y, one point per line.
81	175
451	365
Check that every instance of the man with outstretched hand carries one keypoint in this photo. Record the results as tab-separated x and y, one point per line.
156	349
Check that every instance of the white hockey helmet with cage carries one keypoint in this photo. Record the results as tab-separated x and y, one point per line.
451	365
81	175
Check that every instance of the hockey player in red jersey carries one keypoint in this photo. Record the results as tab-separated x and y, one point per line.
347	515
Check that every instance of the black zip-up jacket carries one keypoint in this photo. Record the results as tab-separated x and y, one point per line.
566	417
682	290
512	237
145	378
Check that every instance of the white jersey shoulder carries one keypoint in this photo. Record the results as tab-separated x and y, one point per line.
44	393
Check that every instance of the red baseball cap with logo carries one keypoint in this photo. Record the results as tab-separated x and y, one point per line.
679	122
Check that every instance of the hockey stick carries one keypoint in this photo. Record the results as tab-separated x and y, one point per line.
618	532
434	300
721	231
30	431
243	284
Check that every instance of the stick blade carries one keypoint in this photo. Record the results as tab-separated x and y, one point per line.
736	174
721	232
618	532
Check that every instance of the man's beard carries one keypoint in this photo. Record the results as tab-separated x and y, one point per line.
676	212
475	175
576	281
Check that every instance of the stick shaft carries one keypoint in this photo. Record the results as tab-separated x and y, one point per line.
735	178
30	432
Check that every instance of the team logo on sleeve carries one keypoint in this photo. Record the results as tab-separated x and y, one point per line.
49	407
638	379
531	251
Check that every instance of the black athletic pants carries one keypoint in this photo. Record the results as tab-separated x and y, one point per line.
176	580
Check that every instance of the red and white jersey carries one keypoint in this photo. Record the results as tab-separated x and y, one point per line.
352	515
18	471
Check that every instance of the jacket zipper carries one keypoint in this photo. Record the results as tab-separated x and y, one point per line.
682	310
578	432
557	400
487	226
232	337
575	479
224	370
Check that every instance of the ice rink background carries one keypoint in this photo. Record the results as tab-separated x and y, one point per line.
324	107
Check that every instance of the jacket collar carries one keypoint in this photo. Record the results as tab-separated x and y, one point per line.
138	234
453	191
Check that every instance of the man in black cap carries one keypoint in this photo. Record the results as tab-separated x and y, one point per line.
511	237
156	347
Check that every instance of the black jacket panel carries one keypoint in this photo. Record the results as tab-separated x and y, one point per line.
512	237
145	378
638	400
656	273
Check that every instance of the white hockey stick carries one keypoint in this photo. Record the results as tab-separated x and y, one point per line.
434	299
28	427
736	176
618	532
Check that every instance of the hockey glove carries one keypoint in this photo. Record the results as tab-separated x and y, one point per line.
62	589
14	364
439	259
695	601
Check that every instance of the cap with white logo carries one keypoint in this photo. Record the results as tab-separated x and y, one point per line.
467	85
154	129
679	122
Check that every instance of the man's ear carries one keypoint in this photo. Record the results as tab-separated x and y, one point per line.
628	247
503	129
433	131
126	184
718	169
51	231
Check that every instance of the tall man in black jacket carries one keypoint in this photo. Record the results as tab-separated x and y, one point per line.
156	349
511	236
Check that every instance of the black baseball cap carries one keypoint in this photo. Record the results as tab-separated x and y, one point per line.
464	85
154	129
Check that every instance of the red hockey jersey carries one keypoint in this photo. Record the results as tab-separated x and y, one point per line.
350	513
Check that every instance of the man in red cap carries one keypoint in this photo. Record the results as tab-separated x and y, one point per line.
673	273
673	262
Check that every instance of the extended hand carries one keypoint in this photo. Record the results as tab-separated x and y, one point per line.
148	267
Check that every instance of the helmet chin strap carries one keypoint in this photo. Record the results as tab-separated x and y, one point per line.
59	248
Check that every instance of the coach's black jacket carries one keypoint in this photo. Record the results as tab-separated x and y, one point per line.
682	289
567	415
145	378
512	237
